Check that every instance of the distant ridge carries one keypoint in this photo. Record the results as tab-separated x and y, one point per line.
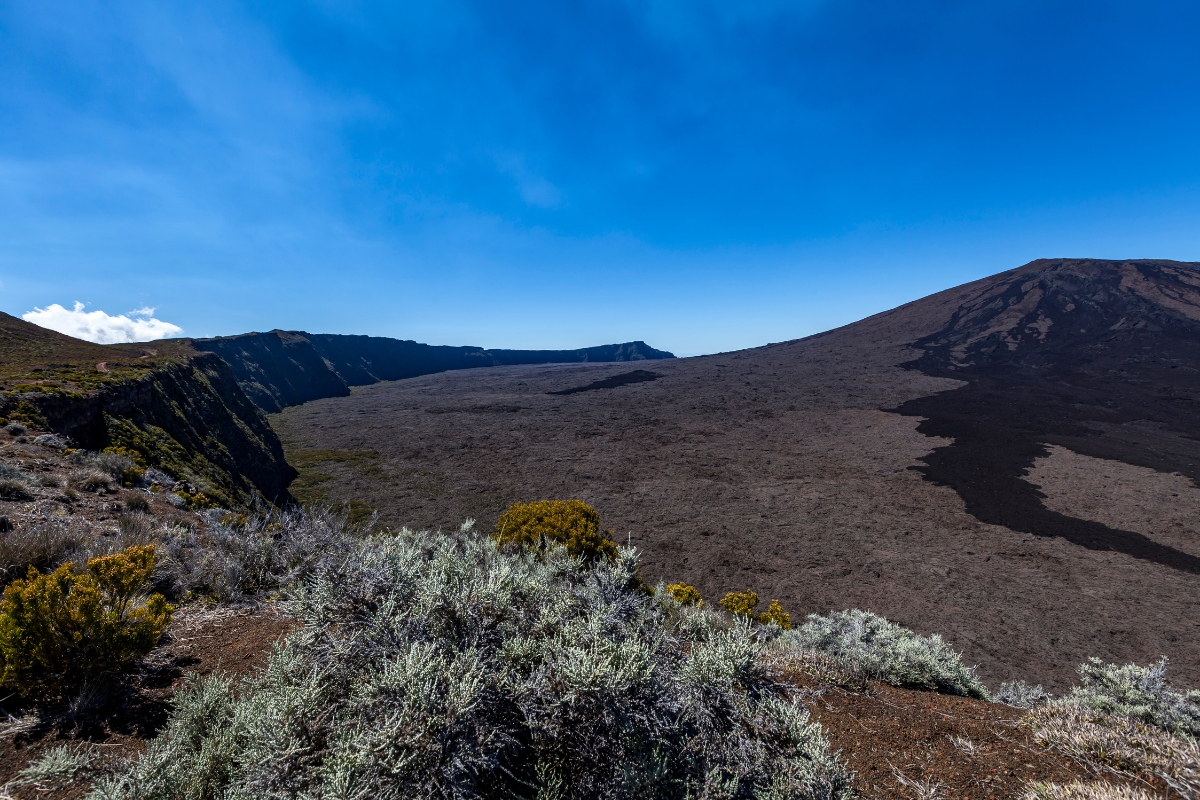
278	369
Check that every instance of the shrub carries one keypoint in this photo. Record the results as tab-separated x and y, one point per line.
1137	693
1104	742
1020	694
571	523
892	653
126	452
61	628
90	480
51	441
119	465
686	594
15	429
775	615
740	604
58	767
249	556
135	502
28	413
13	490
452	667
1086	791
40	544
195	502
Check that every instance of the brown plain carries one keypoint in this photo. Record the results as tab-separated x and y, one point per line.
786	470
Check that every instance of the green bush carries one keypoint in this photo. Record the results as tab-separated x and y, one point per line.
1138	693
891	653
61	628
27	412
453	667
571	523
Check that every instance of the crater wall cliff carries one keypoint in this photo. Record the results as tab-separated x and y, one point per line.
278	369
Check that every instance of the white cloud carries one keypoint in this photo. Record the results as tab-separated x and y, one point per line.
97	326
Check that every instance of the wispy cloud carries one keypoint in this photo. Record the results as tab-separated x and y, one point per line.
97	326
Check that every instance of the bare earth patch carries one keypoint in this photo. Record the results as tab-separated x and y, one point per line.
201	639
1160	505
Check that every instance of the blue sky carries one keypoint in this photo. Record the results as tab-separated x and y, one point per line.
705	176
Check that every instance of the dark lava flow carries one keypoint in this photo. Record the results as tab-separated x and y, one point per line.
624	379
1099	357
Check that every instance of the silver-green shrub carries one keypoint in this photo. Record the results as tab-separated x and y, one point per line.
58	766
888	652
1020	694
1138	693
431	666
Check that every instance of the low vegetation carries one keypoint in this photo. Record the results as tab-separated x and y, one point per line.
1126	719
41	544
1119	745
571	523
1137	693
1093	790
531	663
888	652
62	628
455	666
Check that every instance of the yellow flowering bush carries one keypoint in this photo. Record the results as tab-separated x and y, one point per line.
740	603
572	523
744	603
776	614
61	628
685	593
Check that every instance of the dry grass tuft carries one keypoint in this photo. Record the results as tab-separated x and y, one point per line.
1085	791
90	480
1119	745
44	544
13	490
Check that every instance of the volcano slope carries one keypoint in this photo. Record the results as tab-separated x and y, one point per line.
1011	463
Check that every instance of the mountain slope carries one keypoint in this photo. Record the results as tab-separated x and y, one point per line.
985	462
1100	357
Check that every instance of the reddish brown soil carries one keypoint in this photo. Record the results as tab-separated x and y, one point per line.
201	640
787	469
970	748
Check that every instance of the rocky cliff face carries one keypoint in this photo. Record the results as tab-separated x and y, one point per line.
182	411
285	368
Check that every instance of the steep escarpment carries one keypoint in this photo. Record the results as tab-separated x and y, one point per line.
180	410
285	368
